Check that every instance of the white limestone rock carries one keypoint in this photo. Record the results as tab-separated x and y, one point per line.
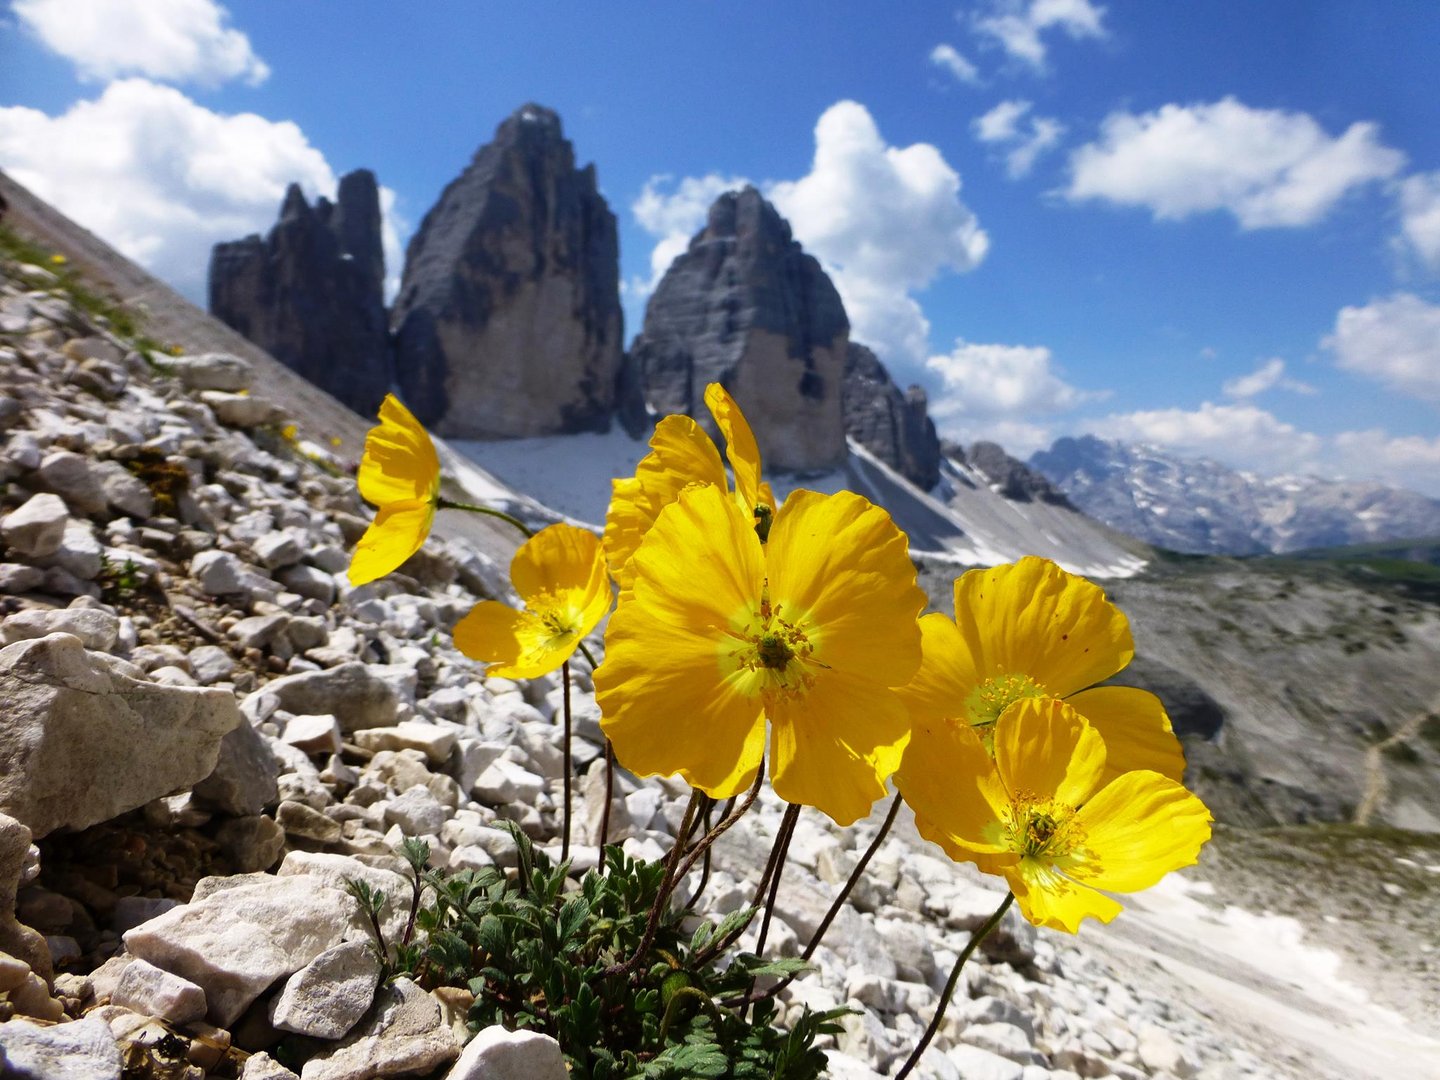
236	942
329	995
97	630
404	1035
35	528
212	371
83	744
75	479
83	1050
145	988
497	1054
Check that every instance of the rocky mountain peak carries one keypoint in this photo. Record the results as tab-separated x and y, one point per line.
508	321
891	423
746	307
311	293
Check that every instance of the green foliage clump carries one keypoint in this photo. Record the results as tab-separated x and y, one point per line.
542	957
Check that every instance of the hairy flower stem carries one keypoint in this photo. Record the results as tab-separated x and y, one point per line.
835	907
706	825
777	857
852	880
609	796
488	511
939	1018
703	844
565	828
667	885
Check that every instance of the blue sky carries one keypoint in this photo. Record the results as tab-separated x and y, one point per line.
1210	226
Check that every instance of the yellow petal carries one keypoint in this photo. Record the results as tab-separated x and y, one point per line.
1136	830
945	676
1033	618
1135	728
740	445
839	563
1045	748
399	462
559	558
681	454
670	700
1048	898
396	533
834	746
948	779
666	709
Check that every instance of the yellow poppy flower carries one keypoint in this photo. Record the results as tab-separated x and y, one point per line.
400	476
810	631
560	574
1042	815
681	454
1028	630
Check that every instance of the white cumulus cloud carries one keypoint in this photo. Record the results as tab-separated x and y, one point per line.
1017	26
1406	461
158	176
949	58
1420	216
1000	392
184	41
1267	167
1395	341
1002	127
885	221
1240	435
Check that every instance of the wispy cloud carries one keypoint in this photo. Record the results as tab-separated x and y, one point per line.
948	58
1267	167
1267	376
1023	137
1019	28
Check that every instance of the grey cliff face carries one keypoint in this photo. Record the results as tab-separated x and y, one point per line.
311	293
1013	478
508	322
747	308
892	424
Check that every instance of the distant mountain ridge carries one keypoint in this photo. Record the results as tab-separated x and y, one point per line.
1199	506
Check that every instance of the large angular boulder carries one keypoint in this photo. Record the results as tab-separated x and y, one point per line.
311	293
746	307
508	321
891	423
82	744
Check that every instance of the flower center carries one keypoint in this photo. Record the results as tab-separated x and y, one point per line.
1042	827
993	696
773	651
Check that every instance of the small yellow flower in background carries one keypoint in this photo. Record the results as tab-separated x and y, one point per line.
335	440
177	350
681	454
290	433
58	260
810	631
1029	630
400	476
560	575
1042	814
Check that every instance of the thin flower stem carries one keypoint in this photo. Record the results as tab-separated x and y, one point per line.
703	845
585	652
489	511
705	861
777	855
853	880
939	1018
609	794
835	907
667	885
565	829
